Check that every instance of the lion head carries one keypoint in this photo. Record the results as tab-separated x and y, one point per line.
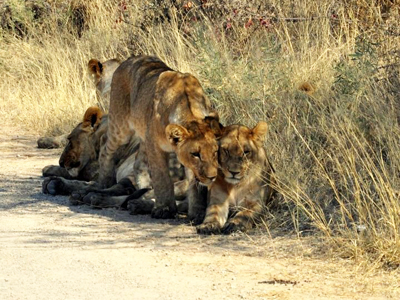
83	142
240	150
196	147
102	73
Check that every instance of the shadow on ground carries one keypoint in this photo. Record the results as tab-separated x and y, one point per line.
84	226
81	226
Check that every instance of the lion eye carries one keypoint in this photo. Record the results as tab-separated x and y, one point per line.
195	154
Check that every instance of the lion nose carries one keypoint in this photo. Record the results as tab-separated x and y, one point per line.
234	173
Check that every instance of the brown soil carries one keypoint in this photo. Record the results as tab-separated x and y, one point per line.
51	250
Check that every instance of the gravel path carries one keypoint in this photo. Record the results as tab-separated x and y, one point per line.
50	250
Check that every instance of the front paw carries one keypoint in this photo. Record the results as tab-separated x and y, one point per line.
140	206
198	218
53	186
79	197
76	198
96	200
209	228
232	226
164	212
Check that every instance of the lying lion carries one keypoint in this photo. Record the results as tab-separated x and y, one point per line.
102	74
78	168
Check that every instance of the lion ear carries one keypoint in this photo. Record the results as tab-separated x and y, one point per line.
92	117
176	133
259	132
95	67
215	125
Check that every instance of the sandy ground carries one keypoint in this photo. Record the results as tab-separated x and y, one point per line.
50	250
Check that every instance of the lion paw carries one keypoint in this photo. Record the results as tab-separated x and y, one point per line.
53	186
75	201
76	198
198	218
140	206
209	228
164	212
231	227
95	200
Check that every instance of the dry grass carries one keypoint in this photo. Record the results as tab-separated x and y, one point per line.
325	76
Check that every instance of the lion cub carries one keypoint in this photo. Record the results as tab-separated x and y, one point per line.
243	184
170	113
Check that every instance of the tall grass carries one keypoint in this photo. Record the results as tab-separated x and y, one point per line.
324	76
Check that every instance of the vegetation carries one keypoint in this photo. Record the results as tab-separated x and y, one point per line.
325	75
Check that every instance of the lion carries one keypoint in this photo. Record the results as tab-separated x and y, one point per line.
79	160
244	184
102	73
79	157
78	168
170	113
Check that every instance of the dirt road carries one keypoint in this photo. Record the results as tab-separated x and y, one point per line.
50	250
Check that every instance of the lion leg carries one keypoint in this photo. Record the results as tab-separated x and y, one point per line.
123	187
216	213
93	195
181	189
141	206
97	200
145	204
197	202
248	212
58	171
117	135
119	131
141	169
62	186
165	206
183	206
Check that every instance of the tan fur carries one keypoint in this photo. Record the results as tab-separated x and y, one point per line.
81	151
102	73
92	117
167	110
79	160
243	184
